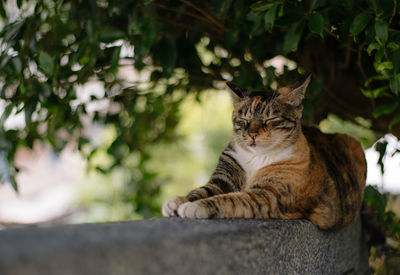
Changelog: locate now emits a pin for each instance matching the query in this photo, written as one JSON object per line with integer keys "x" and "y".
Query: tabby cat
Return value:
{"x": 276, "y": 168}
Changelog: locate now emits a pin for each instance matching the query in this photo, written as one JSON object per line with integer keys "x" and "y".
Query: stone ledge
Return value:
{"x": 181, "y": 246}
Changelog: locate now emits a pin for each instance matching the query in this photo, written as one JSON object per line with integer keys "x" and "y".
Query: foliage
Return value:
{"x": 173, "y": 48}
{"x": 384, "y": 259}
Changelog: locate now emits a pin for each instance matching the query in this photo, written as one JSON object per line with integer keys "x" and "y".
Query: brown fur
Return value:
{"x": 321, "y": 178}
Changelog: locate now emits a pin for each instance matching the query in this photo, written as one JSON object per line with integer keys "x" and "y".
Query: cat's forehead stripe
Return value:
{"x": 265, "y": 95}
{"x": 259, "y": 106}
{"x": 256, "y": 104}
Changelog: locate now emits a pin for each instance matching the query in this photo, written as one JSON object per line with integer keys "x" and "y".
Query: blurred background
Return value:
{"x": 109, "y": 108}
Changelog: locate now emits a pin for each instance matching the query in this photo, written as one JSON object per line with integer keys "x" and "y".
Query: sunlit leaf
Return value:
{"x": 375, "y": 93}
{"x": 372, "y": 47}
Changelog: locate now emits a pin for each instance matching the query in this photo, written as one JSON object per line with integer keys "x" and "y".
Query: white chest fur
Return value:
{"x": 253, "y": 160}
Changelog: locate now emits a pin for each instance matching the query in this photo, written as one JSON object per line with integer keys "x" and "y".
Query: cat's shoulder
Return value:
{"x": 314, "y": 136}
{"x": 333, "y": 144}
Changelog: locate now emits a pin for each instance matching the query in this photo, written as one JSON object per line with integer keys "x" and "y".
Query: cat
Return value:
{"x": 276, "y": 168}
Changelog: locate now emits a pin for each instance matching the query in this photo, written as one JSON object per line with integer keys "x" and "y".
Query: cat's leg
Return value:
{"x": 258, "y": 203}
{"x": 216, "y": 186}
{"x": 170, "y": 207}
{"x": 228, "y": 177}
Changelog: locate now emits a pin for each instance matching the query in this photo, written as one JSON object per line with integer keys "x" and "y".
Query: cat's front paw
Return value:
{"x": 193, "y": 210}
{"x": 170, "y": 207}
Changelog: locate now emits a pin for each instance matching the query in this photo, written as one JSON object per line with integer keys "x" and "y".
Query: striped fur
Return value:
{"x": 276, "y": 168}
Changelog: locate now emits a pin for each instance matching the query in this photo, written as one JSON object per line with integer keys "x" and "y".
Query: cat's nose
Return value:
{"x": 253, "y": 135}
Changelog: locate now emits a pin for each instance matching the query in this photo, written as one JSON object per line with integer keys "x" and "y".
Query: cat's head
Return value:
{"x": 269, "y": 119}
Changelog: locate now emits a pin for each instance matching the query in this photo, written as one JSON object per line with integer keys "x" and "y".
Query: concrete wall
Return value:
{"x": 181, "y": 246}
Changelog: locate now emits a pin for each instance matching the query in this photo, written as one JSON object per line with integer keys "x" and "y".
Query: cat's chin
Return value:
{"x": 256, "y": 147}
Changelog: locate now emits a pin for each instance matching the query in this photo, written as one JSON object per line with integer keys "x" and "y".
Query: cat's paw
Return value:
{"x": 170, "y": 207}
{"x": 192, "y": 210}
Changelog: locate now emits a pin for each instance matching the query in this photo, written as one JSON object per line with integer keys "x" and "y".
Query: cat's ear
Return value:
{"x": 294, "y": 94}
{"x": 239, "y": 92}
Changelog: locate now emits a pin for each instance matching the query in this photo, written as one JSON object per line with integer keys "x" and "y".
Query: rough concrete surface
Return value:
{"x": 182, "y": 246}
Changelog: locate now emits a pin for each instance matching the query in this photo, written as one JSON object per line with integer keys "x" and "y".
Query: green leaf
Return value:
{"x": 395, "y": 84}
{"x": 269, "y": 17}
{"x": 261, "y": 6}
{"x": 316, "y": 23}
{"x": 372, "y": 46}
{"x": 315, "y": 4}
{"x": 29, "y": 108}
{"x": 46, "y": 63}
{"x": 115, "y": 59}
{"x": 375, "y": 199}
{"x": 383, "y": 66}
{"x": 394, "y": 121}
{"x": 378, "y": 92}
{"x": 381, "y": 30}
{"x": 17, "y": 64}
{"x": 109, "y": 34}
{"x": 6, "y": 113}
{"x": 381, "y": 147}
{"x": 373, "y": 5}
{"x": 360, "y": 22}
{"x": 292, "y": 37}
{"x": 149, "y": 35}
{"x": 90, "y": 30}
{"x": 379, "y": 54}
{"x": 256, "y": 18}
{"x": 384, "y": 109}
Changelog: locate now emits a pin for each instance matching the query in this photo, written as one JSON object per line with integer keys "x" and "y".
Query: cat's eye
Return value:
{"x": 270, "y": 119}
{"x": 288, "y": 119}
{"x": 241, "y": 123}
